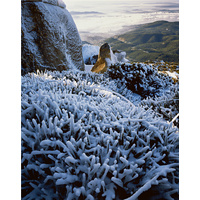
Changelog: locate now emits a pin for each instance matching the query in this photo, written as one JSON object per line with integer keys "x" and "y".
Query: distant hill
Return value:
{"x": 153, "y": 41}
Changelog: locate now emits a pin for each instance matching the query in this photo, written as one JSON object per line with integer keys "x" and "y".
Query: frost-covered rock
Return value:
{"x": 121, "y": 56}
{"x": 102, "y": 58}
{"x": 81, "y": 140}
{"x": 50, "y": 39}
{"x": 59, "y": 3}
{"x": 90, "y": 54}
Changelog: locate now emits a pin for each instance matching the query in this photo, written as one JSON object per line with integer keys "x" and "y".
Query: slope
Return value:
{"x": 154, "y": 41}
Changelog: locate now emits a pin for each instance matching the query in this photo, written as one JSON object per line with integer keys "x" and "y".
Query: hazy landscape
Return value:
{"x": 154, "y": 41}
{"x": 104, "y": 19}
{"x": 121, "y": 24}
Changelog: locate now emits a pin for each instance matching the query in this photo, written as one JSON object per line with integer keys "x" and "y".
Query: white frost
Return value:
{"x": 89, "y": 51}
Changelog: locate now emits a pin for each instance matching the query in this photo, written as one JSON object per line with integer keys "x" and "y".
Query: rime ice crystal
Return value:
{"x": 77, "y": 142}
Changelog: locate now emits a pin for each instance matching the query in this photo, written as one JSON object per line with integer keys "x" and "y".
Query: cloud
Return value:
{"x": 111, "y": 16}
{"x": 134, "y": 11}
{"x": 170, "y": 6}
{"x": 169, "y": 11}
{"x": 86, "y": 13}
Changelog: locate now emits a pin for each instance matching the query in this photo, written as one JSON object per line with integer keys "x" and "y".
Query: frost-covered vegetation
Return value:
{"x": 84, "y": 135}
{"x": 158, "y": 90}
{"x": 166, "y": 105}
{"x": 140, "y": 78}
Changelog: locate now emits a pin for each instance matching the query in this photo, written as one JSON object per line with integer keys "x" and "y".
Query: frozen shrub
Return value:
{"x": 166, "y": 105}
{"x": 81, "y": 141}
{"x": 160, "y": 91}
{"x": 140, "y": 78}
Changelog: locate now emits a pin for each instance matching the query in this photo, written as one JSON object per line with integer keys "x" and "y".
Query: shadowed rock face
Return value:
{"x": 49, "y": 38}
{"x": 105, "y": 51}
{"x": 101, "y": 65}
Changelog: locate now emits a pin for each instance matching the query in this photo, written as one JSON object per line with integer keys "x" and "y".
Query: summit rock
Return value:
{"x": 104, "y": 59}
{"x": 49, "y": 37}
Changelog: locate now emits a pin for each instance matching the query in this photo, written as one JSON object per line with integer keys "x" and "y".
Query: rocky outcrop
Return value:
{"x": 59, "y": 3}
{"x": 91, "y": 60}
{"x": 107, "y": 57}
{"x": 121, "y": 56}
{"x": 104, "y": 59}
{"x": 90, "y": 54}
{"x": 49, "y": 37}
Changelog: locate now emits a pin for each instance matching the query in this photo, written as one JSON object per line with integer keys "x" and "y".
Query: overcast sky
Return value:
{"x": 110, "y": 16}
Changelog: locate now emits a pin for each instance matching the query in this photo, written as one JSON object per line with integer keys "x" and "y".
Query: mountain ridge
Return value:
{"x": 153, "y": 41}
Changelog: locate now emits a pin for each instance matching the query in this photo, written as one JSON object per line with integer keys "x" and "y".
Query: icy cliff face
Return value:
{"x": 49, "y": 37}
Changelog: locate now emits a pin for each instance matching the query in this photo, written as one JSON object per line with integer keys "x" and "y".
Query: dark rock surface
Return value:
{"x": 49, "y": 37}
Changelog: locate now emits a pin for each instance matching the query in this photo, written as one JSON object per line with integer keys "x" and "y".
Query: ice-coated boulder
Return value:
{"x": 53, "y": 2}
{"x": 121, "y": 56}
{"x": 49, "y": 37}
{"x": 90, "y": 54}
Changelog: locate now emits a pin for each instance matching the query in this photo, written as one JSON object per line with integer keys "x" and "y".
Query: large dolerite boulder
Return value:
{"x": 49, "y": 37}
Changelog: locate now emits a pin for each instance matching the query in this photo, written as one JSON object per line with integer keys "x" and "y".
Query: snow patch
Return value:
{"x": 88, "y": 68}
{"x": 174, "y": 75}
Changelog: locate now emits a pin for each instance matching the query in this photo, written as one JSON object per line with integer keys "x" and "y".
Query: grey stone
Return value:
{"x": 49, "y": 38}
